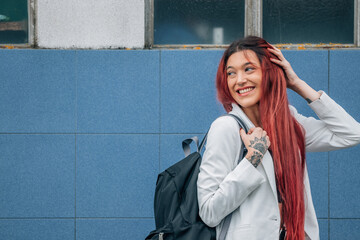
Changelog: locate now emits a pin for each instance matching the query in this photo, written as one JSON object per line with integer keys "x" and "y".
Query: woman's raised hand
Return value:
{"x": 291, "y": 77}
{"x": 257, "y": 143}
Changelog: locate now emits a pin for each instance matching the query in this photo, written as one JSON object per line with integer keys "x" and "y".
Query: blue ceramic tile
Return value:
{"x": 37, "y": 229}
{"x": 171, "y": 150}
{"x": 318, "y": 174}
{"x": 344, "y": 183}
{"x": 37, "y": 92}
{"x": 344, "y": 80}
{"x": 113, "y": 229}
{"x": 312, "y": 67}
{"x": 324, "y": 228}
{"x": 116, "y": 175}
{"x": 118, "y": 91}
{"x": 37, "y": 175}
{"x": 188, "y": 95}
{"x": 341, "y": 229}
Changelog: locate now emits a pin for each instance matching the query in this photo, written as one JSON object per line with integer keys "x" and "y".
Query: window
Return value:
{"x": 198, "y": 21}
{"x": 14, "y": 22}
{"x": 316, "y": 23}
{"x": 308, "y": 21}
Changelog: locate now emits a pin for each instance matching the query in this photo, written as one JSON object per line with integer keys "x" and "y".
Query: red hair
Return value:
{"x": 285, "y": 133}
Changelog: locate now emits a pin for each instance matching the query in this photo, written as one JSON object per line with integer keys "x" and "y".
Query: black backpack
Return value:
{"x": 176, "y": 206}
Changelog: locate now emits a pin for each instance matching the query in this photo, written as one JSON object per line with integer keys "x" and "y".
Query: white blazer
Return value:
{"x": 250, "y": 193}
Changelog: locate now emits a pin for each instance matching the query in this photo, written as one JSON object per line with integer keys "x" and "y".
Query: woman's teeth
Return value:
{"x": 245, "y": 90}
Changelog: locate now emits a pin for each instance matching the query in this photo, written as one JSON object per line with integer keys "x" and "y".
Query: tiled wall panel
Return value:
{"x": 317, "y": 164}
{"x": 188, "y": 95}
{"x": 37, "y": 229}
{"x": 118, "y": 92}
{"x": 344, "y": 80}
{"x": 312, "y": 67}
{"x": 344, "y": 229}
{"x": 113, "y": 229}
{"x": 37, "y": 93}
{"x": 345, "y": 183}
{"x": 37, "y": 175}
{"x": 114, "y": 177}
{"x": 324, "y": 228}
{"x": 344, "y": 164}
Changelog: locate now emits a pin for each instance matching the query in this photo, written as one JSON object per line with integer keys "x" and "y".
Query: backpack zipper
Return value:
{"x": 161, "y": 236}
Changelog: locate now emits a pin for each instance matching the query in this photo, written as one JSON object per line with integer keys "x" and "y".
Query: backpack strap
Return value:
{"x": 186, "y": 144}
{"x": 226, "y": 224}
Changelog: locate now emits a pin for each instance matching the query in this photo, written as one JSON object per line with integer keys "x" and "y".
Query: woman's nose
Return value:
{"x": 241, "y": 79}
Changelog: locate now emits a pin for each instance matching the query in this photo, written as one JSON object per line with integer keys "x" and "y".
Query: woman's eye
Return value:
{"x": 249, "y": 69}
{"x": 230, "y": 73}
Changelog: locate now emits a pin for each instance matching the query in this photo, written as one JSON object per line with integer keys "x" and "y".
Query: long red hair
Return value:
{"x": 285, "y": 133}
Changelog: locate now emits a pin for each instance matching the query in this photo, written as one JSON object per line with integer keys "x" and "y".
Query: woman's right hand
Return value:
{"x": 257, "y": 143}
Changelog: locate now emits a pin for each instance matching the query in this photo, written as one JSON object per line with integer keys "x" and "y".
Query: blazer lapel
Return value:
{"x": 267, "y": 161}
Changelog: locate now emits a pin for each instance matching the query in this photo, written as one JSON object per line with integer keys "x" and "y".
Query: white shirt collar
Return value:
{"x": 236, "y": 110}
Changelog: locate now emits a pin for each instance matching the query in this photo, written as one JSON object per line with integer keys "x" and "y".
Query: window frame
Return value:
{"x": 31, "y": 6}
{"x": 253, "y": 26}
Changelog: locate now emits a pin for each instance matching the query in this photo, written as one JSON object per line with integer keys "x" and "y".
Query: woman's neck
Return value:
{"x": 253, "y": 114}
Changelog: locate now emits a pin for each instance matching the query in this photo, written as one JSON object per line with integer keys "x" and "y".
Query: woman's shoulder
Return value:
{"x": 224, "y": 125}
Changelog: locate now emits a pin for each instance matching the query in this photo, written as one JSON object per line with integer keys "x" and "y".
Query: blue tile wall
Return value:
{"x": 39, "y": 229}
{"x": 317, "y": 164}
{"x": 344, "y": 164}
{"x": 37, "y": 175}
{"x": 344, "y": 80}
{"x": 188, "y": 95}
{"x": 37, "y": 93}
{"x": 344, "y": 183}
{"x": 324, "y": 228}
{"x": 344, "y": 229}
{"x": 114, "y": 178}
{"x": 113, "y": 229}
{"x": 83, "y": 135}
{"x": 312, "y": 67}
{"x": 118, "y": 92}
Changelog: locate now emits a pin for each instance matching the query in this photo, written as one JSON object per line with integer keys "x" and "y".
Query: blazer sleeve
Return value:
{"x": 223, "y": 185}
{"x": 336, "y": 128}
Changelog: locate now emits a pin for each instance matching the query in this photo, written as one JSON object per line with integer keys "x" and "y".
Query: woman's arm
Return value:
{"x": 293, "y": 81}
{"x": 335, "y": 129}
{"x": 222, "y": 187}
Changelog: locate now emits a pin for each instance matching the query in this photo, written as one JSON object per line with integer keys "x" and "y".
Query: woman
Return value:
{"x": 268, "y": 192}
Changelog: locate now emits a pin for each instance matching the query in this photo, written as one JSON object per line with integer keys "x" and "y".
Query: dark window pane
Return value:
{"x": 198, "y": 21}
{"x": 308, "y": 21}
{"x": 13, "y": 21}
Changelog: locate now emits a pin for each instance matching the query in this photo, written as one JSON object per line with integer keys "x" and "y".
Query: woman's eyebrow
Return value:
{"x": 244, "y": 65}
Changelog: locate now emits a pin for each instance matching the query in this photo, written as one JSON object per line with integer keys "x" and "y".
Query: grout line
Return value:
{"x": 329, "y": 72}
{"x": 72, "y": 133}
{"x": 329, "y": 153}
{"x": 71, "y": 218}
{"x": 328, "y": 195}
{"x": 159, "y": 167}
{"x": 76, "y": 130}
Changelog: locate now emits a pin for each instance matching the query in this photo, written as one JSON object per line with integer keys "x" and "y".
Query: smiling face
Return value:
{"x": 244, "y": 77}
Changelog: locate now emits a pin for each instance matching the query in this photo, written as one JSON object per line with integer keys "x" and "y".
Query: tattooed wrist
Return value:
{"x": 258, "y": 147}
{"x": 255, "y": 158}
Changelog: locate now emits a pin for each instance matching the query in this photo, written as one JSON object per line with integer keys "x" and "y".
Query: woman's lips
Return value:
{"x": 245, "y": 91}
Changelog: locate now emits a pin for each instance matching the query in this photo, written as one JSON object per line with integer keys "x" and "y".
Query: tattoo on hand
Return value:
{"x": 259, "y": 144}
{"x": 260, "y": 147}
{"x": 256, "y": 159}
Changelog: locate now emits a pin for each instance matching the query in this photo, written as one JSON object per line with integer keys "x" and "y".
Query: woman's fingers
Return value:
{"x": 268, "y": 141}
{"x": 251, "y": 130}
